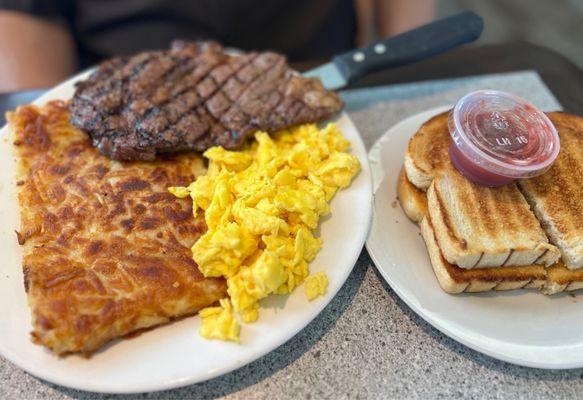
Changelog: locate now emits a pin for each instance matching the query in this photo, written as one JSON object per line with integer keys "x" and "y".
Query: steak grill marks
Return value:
{"x": 192, "y": 97}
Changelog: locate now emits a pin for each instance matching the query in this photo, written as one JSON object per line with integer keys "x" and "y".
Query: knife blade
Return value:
{"x": 418, "y": 44}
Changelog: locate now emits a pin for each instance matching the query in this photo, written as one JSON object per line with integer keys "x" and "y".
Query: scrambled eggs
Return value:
{"x": 261, "y": 206}
{"x": 220, "y": 322}
{"x": 316, "y": 285}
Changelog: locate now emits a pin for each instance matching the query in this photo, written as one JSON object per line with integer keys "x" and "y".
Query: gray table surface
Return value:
{"x": 367, "y": 343}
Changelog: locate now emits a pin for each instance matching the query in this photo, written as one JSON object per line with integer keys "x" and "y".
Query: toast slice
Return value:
{"x": 475, "y": 226}
{"x": 557, "y": 196}
{"x": 478, "y": 227}
{"x": 560, "y": 278}
{"x": 413, "y": 200}
{"x": 452, "y": 279}
{"x": 427, "y": 154}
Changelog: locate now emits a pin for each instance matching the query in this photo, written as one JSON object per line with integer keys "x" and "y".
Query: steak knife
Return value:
{"x": 418, "y": 44}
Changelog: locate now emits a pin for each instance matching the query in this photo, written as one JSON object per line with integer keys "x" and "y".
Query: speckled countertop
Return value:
{"x": 367, "y": 343}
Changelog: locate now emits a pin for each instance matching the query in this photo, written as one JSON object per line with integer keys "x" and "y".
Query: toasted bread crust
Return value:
{"x": 413, "y": 200}
{"x": 433, "y": 145}
{"x": 476, "y": 226}
{"x": 556, "y": 196}
{"x": 453, "y": 279}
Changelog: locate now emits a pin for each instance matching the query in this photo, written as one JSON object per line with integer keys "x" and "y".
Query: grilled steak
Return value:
{"x": 192, "y": 97}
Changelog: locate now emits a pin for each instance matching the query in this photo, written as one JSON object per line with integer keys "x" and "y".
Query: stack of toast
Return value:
{"x": 528, "y": 234}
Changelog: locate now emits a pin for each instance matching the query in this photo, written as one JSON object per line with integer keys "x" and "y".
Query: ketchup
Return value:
{"x": 475, "y": 172}
{"x": 499, "y": 137}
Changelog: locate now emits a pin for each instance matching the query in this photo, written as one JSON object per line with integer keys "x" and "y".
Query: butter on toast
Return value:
{"x": 557, "y": 196}
{"x": 453, "y": 279}
{"x": 475, "y": 226}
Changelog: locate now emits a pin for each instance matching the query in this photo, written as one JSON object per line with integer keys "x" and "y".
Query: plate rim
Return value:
{"x": 408, "y": 298}
{"x": 172, "y": 383}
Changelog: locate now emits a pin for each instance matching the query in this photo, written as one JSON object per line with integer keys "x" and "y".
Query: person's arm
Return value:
{"x": 33, "y": 53}
{"x": 397, "y": 16}
{"x": 366, "y": 30}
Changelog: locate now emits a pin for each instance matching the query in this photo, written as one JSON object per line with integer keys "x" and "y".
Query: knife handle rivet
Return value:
{"x": 358, "y": 56}
{"x": 380, "y": 48}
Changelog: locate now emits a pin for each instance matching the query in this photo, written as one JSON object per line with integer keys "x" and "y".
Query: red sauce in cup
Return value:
{"x": 499, "y": 137}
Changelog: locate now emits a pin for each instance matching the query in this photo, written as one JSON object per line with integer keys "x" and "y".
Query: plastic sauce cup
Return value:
{"x": 499, "y": 137}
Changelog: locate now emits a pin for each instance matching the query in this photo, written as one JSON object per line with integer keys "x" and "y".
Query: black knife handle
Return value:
{"x": 417, "y": 44}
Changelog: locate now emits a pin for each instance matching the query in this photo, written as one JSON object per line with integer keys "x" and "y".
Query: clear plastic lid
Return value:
{"x": 503, "y": 134}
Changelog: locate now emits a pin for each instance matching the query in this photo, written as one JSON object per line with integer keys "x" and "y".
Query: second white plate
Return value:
{"x": 522, "y": 327}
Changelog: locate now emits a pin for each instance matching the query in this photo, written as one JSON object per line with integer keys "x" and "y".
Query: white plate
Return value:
{"x": 175, "y": 355}
{"x": 522, "y": 327}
